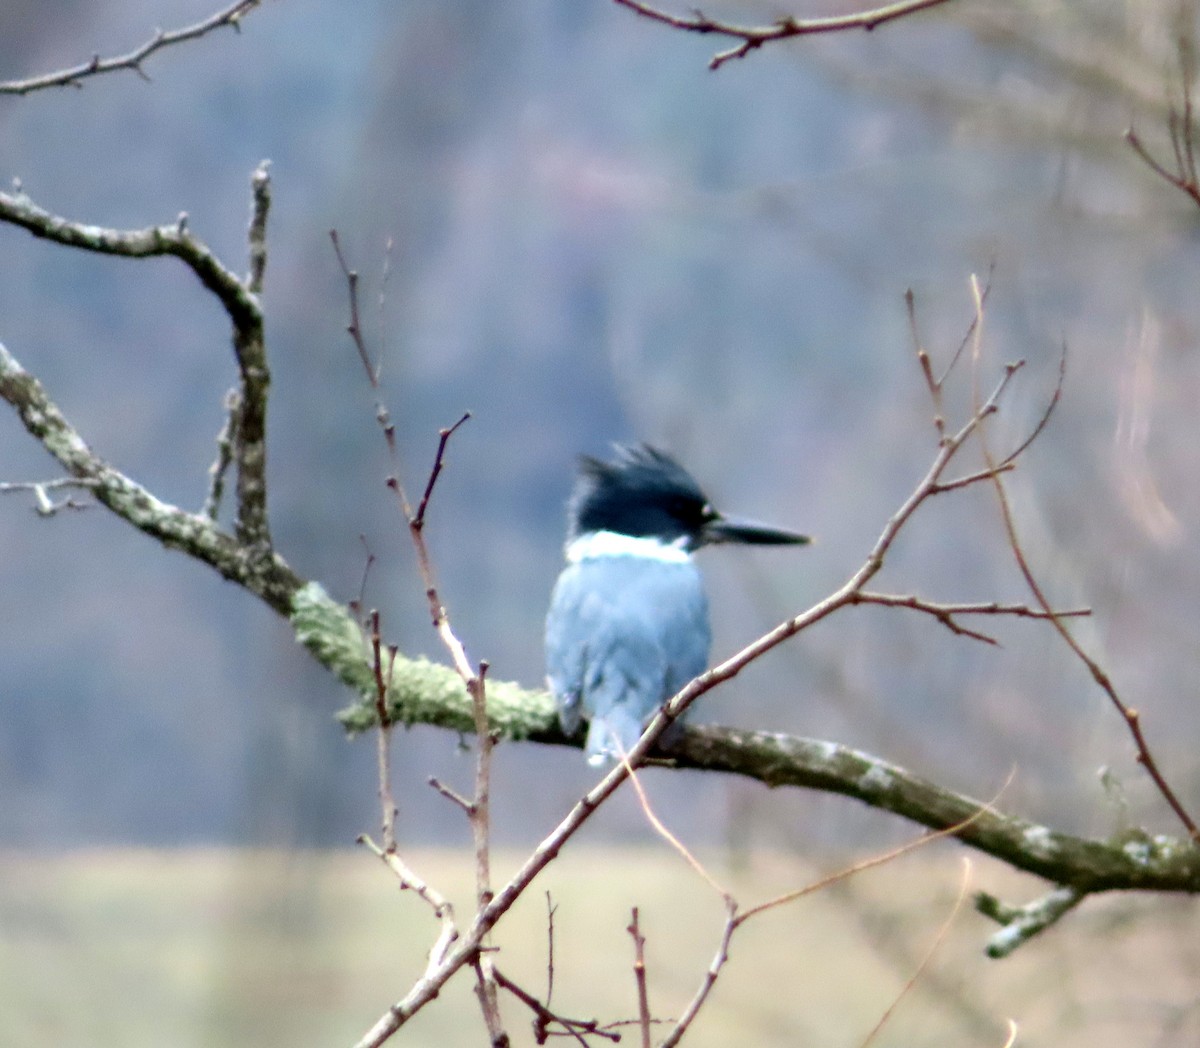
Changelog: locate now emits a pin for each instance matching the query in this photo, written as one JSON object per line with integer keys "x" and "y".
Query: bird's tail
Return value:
{"x": 611, "y": 736}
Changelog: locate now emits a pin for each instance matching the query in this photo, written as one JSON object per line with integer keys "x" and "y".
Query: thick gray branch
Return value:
{"x": 430, "y": 694}
{"x": 426, "y": 693}
{"x": 264, "y": 574}
{"x": 238, "y": 297}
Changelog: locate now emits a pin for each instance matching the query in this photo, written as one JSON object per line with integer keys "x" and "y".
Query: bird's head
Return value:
{"x": 644, "y": 493}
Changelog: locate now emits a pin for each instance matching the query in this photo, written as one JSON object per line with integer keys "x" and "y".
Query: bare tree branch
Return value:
{"x": 735, "y": 917}
{"x": 226, "y": 440}
{"x": 238, "y": 298}
{"x": 544, "y": 1018}
{"x": 74, "y": 76}
{"x": 639, "y": 977}
{"x": 753, "y": 37}
{"x": 270, "y": 577}
{"x": 1181, "y": 128}
{"x": 413, "y": 690}
{"x": 409, "y": 880}
{"x": 1130, "y": 715}
{"x": 1022, "y": 923}
{"x": 43, "y": 504}
{"x": 947, "y": 614}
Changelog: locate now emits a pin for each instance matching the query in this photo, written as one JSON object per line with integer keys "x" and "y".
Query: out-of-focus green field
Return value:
{"x": 220, "y": 948}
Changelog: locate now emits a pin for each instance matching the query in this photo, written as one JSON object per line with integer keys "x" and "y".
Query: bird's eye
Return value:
{"x": 707, "y": 513}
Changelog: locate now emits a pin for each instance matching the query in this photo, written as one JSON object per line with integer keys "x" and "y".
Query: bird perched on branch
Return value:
{"x": 628, "y": 620}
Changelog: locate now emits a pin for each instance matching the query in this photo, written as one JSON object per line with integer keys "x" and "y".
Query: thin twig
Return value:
{"x": 1051, "y": 404}
{"x": 354, "y": 327}
{"x": 478, "y": 808}
{"x": 1181, "y": 129}
{"x": 922, "y": 355}
{"x": 43, "y": 504}
{"x": 968, "y": 335}
{"x": 444, "y": 436}
{"x": 409, "y": 880}
{"x": 1128, "y": 714}
{"x": 753, "y": 37}
{"x": 942, "y": 487}
{"x": 639, "y": 977}
{"x": 984, "y": 809}
{"x": 711, "y": 974}
{"x": 734, "y": 918}
{"x": 933, "y": 948}
{"x": 383, "y": 682}
{"x": 544, "y": 1017}
{"x": 661, "y": 829}
{"x": 550, "y": 909}
{"x": 226, "y": 441}
{"x": 96, "y": 66}
{"x": 945, "y": 613}
{"x": 359, "y": 602}
{"x": 451, "y": 795}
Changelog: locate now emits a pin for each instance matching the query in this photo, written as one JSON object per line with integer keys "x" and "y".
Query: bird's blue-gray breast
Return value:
{"x": 627, "y": 628}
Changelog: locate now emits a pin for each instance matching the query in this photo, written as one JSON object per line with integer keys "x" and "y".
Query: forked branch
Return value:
{"x": 1181, "y": 128}
{"x": 240, "y": 299}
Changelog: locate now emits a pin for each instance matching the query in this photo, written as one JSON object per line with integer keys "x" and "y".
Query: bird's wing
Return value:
{"x": 621, "y": 637}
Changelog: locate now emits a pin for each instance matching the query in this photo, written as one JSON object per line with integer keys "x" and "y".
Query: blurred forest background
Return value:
{"x": 595, "y": 238}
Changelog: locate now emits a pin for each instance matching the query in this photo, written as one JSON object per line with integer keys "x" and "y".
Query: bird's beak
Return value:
{"x": 748, "y": 533}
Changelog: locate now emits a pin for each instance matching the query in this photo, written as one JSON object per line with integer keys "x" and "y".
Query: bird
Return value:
{"x": 628, "y": 622}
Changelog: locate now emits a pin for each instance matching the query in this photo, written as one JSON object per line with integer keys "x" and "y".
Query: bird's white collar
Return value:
{"x": 611, "y": 544}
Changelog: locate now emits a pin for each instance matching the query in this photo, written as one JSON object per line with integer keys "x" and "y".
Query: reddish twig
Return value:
{"x": 478, "y": 808}
{"x": 945, "y": 613}
{"x": 735, "y": 917}
{"x": 661, "y": 829}
{"x": 753, "y": 37}
{"x": 933, "y": 948}
{"x": 1181, "y": 130}
{"x": 639, "y": 977}
{"x": 544, "y": 1018}
{"x": 444, "y": 435}
{"x": 1129, "y": 714}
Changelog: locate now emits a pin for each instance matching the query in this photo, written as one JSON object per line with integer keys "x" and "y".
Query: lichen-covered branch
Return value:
{"x": 267, "y": 576}
{"x": 1022, "y": 923}
{"x": 238, "y": 297}
{"x": 174, "y": 239}
{"x": 431, "y": 694}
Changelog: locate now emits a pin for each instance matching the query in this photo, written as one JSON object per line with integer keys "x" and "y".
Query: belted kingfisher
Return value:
{"x": 628, "y": 620}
